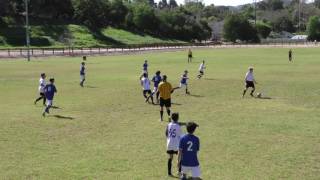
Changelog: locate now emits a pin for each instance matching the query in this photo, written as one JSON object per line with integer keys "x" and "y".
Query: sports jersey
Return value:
{"x": 184, "y": 79}
{"x": 82, "y": 70}
{"x": 189, "y": 145}
{"x": 42, "y": 84}
{"x": 156, "y": 79}
{"x": 173, "y": 133}
{"x": 201, "y": 68}
{"x": 145, "y": 66}
{"x": 165, "y": 89}
{"x": 49, "y": 90}
{"x": 145, "y": 83}
{"x": 249, "y": 76}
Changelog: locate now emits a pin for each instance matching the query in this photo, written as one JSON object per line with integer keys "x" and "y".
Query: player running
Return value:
{"x": 201, "y": 70}
{"x": 250, "y": 81}
{"x": 145, "y": 83}
{"x": 189, "y": 56}
{"x": 173, "y": 134}
{"x": 82, "y": 74}
{"x": 165, "y": 90}
{"x": 188, "y": 149}
{"x": 42, "y": 84}
{"x": 50, "y": 90}
{"x": 183, "y": 81}
{"x": 156, "y": 81}
{"x": 290, "y": 55}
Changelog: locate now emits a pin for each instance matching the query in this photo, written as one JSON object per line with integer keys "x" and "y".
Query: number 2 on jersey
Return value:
{"x": 190, "y": 144}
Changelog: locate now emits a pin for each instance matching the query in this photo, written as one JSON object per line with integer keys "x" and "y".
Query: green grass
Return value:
{"x": 74, "y": 35}
{"x": 115, "y": 135}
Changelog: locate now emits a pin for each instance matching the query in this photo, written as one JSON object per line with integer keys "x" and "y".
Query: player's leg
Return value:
{"x": 168, "y": 106}
{"x": 187, "y": 92}
{"x": 46, "y": 110}
{"x": 252, "y": 91}
{"x": 244, "y": 91}
{"x": 170, "y": 154}
{"x": 161, "y": 109}
{"x": 144, "y": 93}
{"x": 150, "y": 96}
{"x": 196, "y": 173}
{"x": 184, "y": 171}
{"x": 39, "y": 98}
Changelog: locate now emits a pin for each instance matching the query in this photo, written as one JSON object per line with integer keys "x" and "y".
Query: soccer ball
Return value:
{"x": 259, "y": 95}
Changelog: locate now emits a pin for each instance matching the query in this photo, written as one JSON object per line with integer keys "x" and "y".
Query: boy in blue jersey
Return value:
{"x": 145, "y": 67}
{"x": 188, "y": 149}
{"x": 156, "y": 81}
{"x": 82, "y": 74}
{"x": 49, "y": 90}
{"x": 183, "y": 81}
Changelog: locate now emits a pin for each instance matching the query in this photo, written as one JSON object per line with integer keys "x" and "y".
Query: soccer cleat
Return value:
{"x": 44, "y": 114}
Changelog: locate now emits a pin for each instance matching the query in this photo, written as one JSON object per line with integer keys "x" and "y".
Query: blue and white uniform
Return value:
{"x": 156, "y": 80}
{"x": 42, "y": 84}
{"x": 190, "y": 145}
{"x": 183, "y": 81}
{"x": 50, "y": 90}
{"x": 174, "y": 134}
{"x": 145, "y": 68}
{"x": 82, "y": 72}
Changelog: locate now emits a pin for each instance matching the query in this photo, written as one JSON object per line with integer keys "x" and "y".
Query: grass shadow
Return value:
{"x": 209, "y": 79}
{"x": 63, "y": 117}
{"x": 263, "y": 97}
{"x": 195, "y": 95}
{"x": 91, "y": 87}
{"x": 98, "y": 35}
{"x": 177, "y": 104}
{"x": 55, "y": 107}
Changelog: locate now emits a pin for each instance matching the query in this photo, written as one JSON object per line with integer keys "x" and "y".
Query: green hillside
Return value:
{"x": 74, "y": 35}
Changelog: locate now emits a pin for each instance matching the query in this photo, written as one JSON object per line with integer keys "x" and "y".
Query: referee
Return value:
{"x": 165, "y": 90}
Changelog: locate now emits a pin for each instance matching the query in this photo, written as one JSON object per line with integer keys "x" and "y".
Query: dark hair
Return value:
{"x": 84, "y": 57}
{"x": 158, "y": 72}
{"x": 51, "y": 79}
{"x": 175, "y": 117}
{"x": 164, "y": 77}
{"x": 145, "y": 74}
{"x": 191, "y": 127}
{"x": 42, "y": 74}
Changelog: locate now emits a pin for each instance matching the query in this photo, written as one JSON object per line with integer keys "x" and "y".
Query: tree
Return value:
{"x": 263, "y": 29}
{"x": 276, "y": 4}
{"x": 144, "y": 17}
{"x": 93, "y": 13}
{"x": 317, "y": 3}
{"x": 163, "y": 4}
{"x": 173, "y": 4}
{"x": 283, "y": 24}
{"x": 118, "y": 12}
{"x": 49, "y": 9}
{"x": 314, "y": 28}
{"x": 237, "y": 27}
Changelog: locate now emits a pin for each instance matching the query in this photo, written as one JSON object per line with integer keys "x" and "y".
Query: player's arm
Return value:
{"x": 166, "y": 132}
{"x": 55, "y": 89}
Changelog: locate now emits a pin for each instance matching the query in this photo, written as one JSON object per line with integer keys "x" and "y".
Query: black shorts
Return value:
{"x": 249, "y": 84}
{"x": 201, "y": 72}
{"x": 172, "y": 152}
{"x": 189, "y": 56}
{"x": 42, "y": 94}
{"x": 146, "y": 92}
{"x": 165, "y": 102}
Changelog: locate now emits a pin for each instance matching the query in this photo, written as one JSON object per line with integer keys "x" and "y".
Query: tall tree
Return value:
{"x": 314, "y": 28}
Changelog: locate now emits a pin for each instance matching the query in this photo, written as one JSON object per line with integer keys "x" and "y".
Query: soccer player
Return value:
{"x": 42, "y": 84}
{"x": 173, "y": 134}
{"x": 82, "y": 74}
{"x": 165, "y": 90}
{"x": 145, "y": 83}
{"x": 201, "y": 70}
{"x": 183, "y": 81}
{"x": 156, "y": 81}
{"x": 50, "y": 90}
{"x": 188, "y": 150}
{"x": 145, "y": 67}
{"x": 250, "y": 81}
{"x": 290, "y": 55}
{"x": 189, "y": 56}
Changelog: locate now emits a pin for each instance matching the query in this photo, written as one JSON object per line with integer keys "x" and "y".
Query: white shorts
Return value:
{"x": 195, "y": 171}
{"x": 82, "y": 77}
{"x": 183, "y": 85}
{"x": 49, "y": 102}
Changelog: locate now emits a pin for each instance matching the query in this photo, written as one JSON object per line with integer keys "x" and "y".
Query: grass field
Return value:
{"x": 107, "y": 131}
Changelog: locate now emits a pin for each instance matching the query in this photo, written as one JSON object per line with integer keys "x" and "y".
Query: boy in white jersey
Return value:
{"x": 42, "y": 84}
{"x": 173, "y": 134}
{"x": 146, "y": 87}
{"x": 250, "y": 81}
{"x": 201, "y": 70}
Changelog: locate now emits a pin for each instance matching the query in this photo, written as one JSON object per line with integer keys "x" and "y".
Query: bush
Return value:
{"x": 314, "y": 28}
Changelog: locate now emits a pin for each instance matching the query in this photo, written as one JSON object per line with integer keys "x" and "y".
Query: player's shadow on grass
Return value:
{"x": 56, "y": 107}
{"x": 263, "y": 98}
{"x": 91, "y": 87}
{"x": 195, "y": 95}
{"x": 209, "y": 79}
{"x": 176, "y": 104}
{"x": 63, "y": 117}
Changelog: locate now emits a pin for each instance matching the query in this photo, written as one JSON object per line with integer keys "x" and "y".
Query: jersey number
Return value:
{"x": 190, "y": 144}
{"x": 172, "y": 133}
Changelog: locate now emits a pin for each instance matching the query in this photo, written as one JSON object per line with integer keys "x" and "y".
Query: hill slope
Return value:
{"x": 74, "y": 35}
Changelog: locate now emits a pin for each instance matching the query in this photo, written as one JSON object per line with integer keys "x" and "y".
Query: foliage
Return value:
{"x": 237, "y": 27}
{"x": 314, "y": 28}
{"x": 263, "y": 29}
